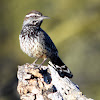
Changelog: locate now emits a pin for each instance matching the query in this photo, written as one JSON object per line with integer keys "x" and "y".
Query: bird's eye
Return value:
{"x": 35, "y": 16}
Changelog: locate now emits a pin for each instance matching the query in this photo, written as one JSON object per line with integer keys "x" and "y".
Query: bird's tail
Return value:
{"x": 60, "y": 67}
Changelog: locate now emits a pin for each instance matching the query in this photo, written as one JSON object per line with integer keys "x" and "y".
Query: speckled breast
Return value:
{"x": 32, "y": 46}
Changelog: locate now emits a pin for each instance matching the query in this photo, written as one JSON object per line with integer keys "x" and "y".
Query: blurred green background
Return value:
{"x": 74, "y": 27}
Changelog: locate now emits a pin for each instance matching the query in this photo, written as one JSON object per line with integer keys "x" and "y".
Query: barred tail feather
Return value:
{"x": 61, "y": 68}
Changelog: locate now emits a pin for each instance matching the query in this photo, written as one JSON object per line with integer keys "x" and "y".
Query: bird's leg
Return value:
{"x": 42, "y": 62}
{"x": 35, "y": 61}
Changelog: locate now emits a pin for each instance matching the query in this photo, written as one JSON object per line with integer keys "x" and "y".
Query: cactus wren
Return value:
{"x": 35, "y": 42}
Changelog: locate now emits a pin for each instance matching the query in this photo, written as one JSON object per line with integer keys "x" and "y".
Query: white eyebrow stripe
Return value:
{"x": 32, "y": 14}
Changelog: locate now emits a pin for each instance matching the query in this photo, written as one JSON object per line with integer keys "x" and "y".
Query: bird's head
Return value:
{"x": 34, "y": 18}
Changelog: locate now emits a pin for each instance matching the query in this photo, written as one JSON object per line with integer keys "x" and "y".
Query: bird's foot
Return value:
{"x": 36, "y": 66}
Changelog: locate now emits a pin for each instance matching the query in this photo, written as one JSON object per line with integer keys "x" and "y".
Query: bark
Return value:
{"x": 45, "y": 84}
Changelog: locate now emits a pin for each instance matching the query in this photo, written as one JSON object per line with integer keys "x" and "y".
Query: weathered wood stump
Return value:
{"x": 45, "y": 84}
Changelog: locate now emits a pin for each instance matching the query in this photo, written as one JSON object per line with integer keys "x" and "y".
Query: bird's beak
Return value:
{"x": 44, "y": 17}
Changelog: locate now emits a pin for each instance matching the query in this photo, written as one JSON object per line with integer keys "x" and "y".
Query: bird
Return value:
{"x": 36, "y": 43}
